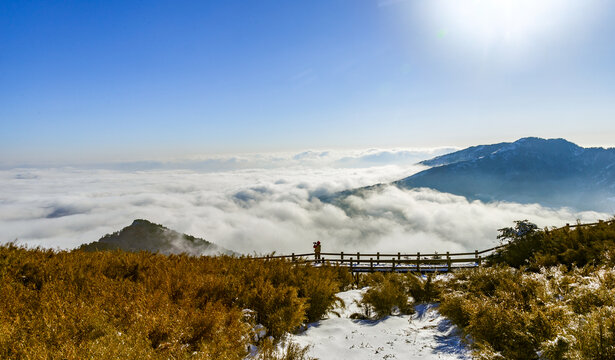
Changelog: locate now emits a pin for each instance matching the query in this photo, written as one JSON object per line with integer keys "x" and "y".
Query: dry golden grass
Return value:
{"x": 552, "y": 314}
{"x": 392, "y": 292}
{"x": 550, "y": 294}
{"x": 121, "y": 305}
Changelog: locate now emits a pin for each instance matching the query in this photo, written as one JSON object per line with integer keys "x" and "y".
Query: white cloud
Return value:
{"x": 217, "y": 163}
{"x": 271, "y": 208}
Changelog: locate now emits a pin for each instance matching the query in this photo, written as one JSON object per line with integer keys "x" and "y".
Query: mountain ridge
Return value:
{"x": 551, "y": 172}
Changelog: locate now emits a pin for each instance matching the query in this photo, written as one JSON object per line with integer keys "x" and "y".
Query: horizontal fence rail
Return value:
{"x": 372, "y": 262}
{"x": 600, "y": 222}
{"x": 415, "y": 262}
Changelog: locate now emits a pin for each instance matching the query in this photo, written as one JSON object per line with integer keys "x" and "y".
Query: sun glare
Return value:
{"x": 502, "y": 20}
{"x": 510, "y": 26}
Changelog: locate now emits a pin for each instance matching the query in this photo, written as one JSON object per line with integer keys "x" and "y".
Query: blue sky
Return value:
{"x": 125, "y": 80}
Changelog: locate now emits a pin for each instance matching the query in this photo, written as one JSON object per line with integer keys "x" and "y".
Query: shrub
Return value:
{"x": 279, "y": 309}
{"x": 292, "y": 351}
{"x": 596, "y": 335}
{"x": 501, "y": 309}
{"x": 60, "y": 304}
{"x": 516, "y": 314}
{"x": 422, "y": 290}
{"x": 321, "y": 294}
{"x": 386, "y": 294}
{"x": 583, "y": 245}
{"x": 453, "y": 307}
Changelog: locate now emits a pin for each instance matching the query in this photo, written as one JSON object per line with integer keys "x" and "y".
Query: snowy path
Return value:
{"x": 424, "y": 335}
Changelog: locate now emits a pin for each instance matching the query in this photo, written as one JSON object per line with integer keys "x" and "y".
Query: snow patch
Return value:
{"x": 423, "y": 335}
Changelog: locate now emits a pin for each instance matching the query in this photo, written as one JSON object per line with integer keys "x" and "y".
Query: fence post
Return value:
{"x": 448, "y": 261}
{"x": 378, "y": 257}
{"x": 393, "y": 265}
{"x": 293, "y": 256}
{"x": 358, "y": 256}
{"x": 371, "y": 264}
{"x": 342, "y": 255}
{"x": 476, "y": 254}
{"x": 418, "y": 261}
{"x": 399, "y": 257}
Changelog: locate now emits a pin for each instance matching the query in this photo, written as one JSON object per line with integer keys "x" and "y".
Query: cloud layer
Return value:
{"x": 216, "y": 163}
{"x": 260, "y": 209}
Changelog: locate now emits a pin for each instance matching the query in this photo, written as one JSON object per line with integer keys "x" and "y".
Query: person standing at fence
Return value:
{"x": 317, "y": 251}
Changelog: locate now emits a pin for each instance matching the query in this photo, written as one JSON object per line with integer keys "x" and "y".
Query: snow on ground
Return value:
{"x": 423, "y": 335}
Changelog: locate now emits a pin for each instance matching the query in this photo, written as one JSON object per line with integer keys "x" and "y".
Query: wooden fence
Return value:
{"x": 600, "y": 222}
{"x": 371, "y": 262}
{"x": 416, "y": 262}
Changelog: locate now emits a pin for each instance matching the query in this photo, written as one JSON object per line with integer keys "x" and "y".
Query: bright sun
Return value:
{"x": 504, "y": 20}
{"x": 509, "y": 25}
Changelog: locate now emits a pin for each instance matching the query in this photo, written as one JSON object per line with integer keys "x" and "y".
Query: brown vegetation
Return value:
{"x": 394, "y": 292}
{"x": 549, "y": 294}
{"x": 116, "y": 305}
{"x": 553, "y": 314}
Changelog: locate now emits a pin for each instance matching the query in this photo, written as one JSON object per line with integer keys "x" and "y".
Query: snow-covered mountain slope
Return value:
{"x": 552, "y": 172}
{"x": 473, "y": 152}
{"x": 424, "y": 335}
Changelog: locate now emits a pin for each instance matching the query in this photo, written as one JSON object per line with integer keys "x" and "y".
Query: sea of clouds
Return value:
{"x": 259, "y": 203}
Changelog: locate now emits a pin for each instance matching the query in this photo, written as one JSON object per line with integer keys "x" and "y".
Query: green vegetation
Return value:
{"x": 579, "y": 246}
{"x": 143, "y": 235}
{"x": 117, "y": 305}
{"x": 550, "y": 294}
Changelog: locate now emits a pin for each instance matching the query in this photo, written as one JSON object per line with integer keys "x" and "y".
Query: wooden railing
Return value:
{"x": 371, "y": 262}
{"x": 600, "y": 222}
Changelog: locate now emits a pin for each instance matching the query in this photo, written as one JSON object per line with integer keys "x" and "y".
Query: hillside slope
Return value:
{"x": 552, "y": 172}
{"x": 147, "y": 236}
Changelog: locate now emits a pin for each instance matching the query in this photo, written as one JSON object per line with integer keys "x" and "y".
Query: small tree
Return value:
{"x": 522, "y": 229}
{"x": 522, "y": 241}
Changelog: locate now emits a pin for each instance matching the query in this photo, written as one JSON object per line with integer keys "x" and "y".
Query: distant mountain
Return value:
{"x": 552, "y": 172}
{"x": 471, "y": 153}
{"x": 147, "y": 236}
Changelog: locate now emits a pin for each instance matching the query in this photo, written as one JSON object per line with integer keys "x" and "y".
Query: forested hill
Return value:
{"x": 147, "y": 236}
